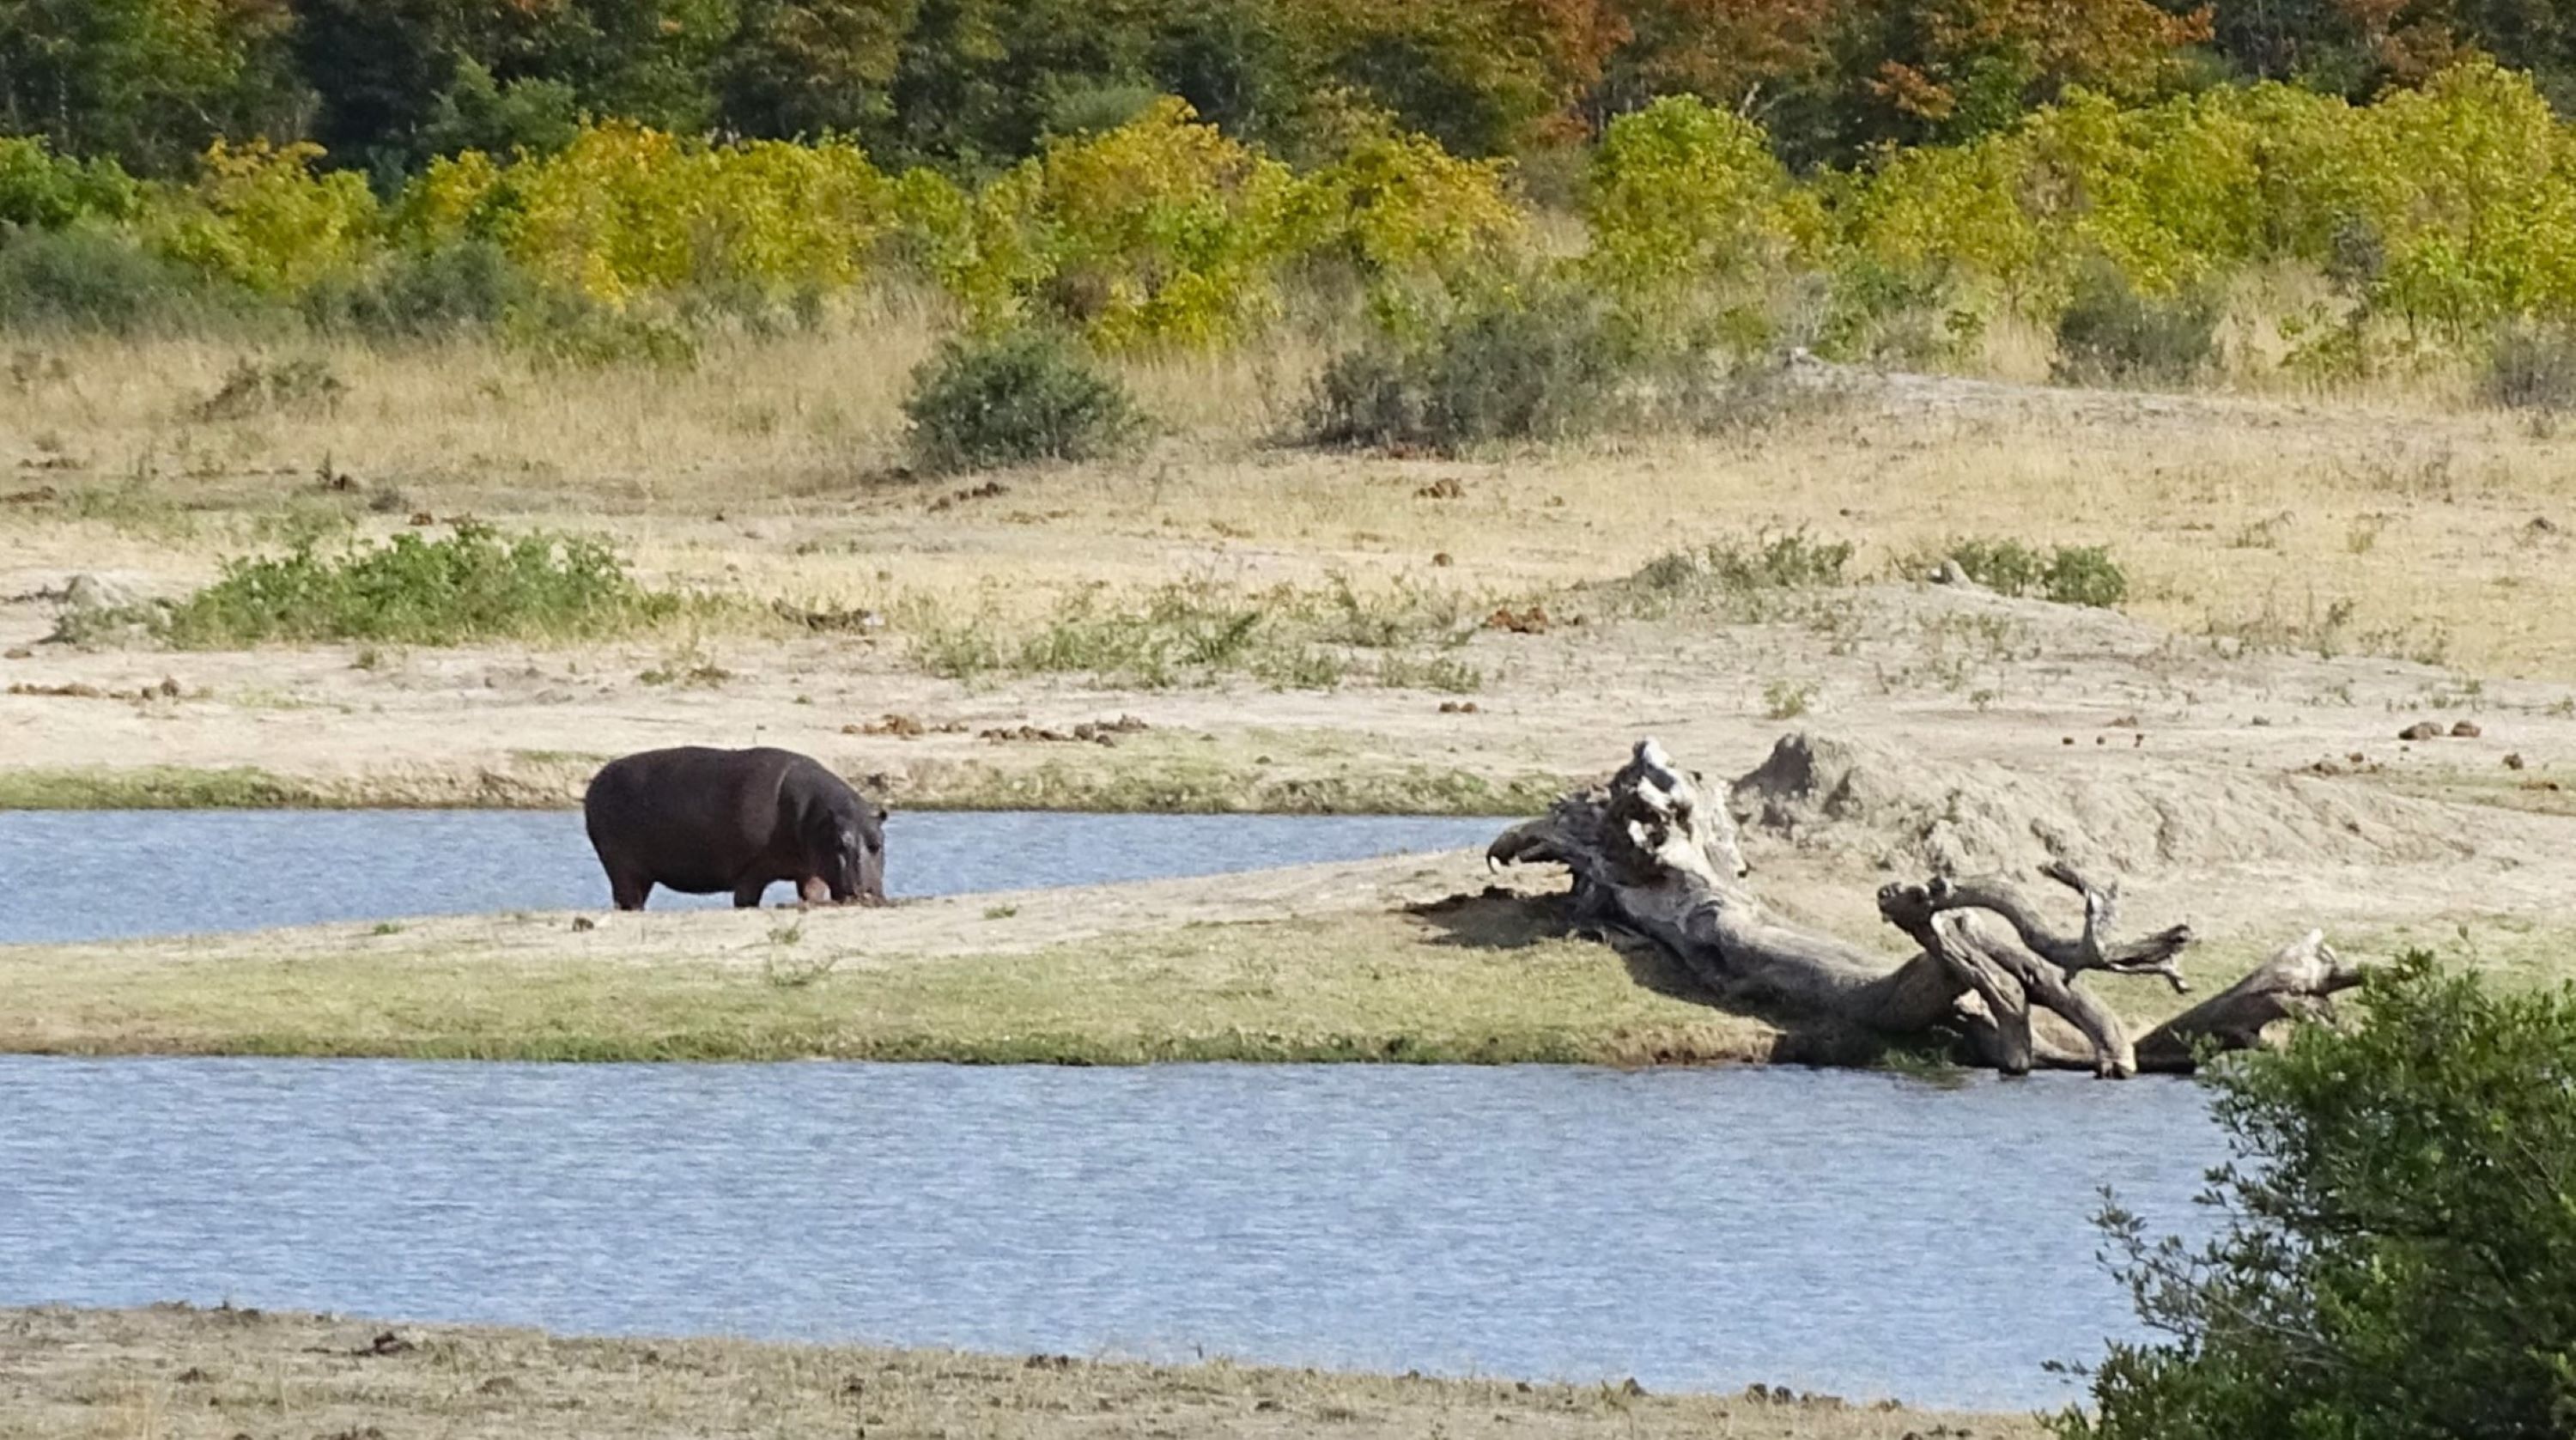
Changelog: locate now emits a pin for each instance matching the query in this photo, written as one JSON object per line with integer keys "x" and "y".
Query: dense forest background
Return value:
{"x": 969, "y": 86}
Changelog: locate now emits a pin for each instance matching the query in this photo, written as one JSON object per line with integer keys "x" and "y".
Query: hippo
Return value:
{"x": 704, "y": 821}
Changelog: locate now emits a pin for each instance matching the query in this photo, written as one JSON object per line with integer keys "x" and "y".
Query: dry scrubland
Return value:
{"x": 2305, "y": 578}
{"x": 173, "y": 1373}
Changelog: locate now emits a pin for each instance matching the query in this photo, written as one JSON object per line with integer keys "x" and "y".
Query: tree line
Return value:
{"x": 970, "y": 87}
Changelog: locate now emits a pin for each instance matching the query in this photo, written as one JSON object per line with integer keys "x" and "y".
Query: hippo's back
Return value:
{"x": 691, "y": 814}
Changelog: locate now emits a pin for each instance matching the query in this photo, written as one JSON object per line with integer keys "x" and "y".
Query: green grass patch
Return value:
{"x": 471, "y": 585}
{"x": 2065, "y": 574}
{"x": 1370, "y": 987}
{"x": 159, "y": 787}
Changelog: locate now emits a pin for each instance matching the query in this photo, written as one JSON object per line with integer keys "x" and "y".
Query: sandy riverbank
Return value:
{"x": 176, "y": 1373}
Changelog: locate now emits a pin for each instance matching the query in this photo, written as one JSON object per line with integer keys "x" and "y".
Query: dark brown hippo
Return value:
{"x": 704, "y": 822}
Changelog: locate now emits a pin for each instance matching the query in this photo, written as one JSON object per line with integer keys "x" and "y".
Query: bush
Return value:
{"x": 2067, "y": 575}
{"x": 2532, "y": 368}
{"x": 84, "y": 278}
{"x": 2399, "y": 1235}
{"x": 426, "y": 294}
{"x": 1681, "y": 194}
{"x": 2111, "y": 334}
{"x": 1015, "y": 399}
{"x": 473, "y": 585}
{"x": 42, "y": 190}
{"x": 1543, "y": 367}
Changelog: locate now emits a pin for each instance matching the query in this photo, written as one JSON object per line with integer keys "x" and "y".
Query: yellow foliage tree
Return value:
{"x": 262, "y": 217}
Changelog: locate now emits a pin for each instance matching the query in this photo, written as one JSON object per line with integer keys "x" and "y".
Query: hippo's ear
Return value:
{"x": 882, "y": 813}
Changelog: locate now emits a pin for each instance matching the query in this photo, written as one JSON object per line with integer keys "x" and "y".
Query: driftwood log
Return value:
{"x": 1649, "y": 854}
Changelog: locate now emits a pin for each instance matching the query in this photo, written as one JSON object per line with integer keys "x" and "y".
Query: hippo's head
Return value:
{"x": 854, "y": 851}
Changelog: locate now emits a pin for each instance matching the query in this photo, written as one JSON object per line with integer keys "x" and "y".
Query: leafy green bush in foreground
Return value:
{"x": 2401, "y": 1238}
{"x": 473, "y": 585}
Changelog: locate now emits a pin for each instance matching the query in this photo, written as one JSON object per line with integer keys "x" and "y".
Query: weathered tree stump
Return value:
{"x": 1649, "y": 854}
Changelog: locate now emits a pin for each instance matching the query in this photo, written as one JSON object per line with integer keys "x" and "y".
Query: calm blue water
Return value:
{"x": 94, "y": 875}
{"x": 1695, "y": 1229}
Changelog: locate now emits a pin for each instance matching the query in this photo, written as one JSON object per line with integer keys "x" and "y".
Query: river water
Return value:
{"x": 1855, "y": 1233}
{"x": 95, "y": 875}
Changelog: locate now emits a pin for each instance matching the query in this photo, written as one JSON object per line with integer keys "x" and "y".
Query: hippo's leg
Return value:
{"x": 746, "y": 896}
{"x": 814, "y": 890}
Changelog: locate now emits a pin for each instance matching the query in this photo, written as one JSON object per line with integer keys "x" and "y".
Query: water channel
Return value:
{"x": 95, "y": 875}
{"x": 1862, "y": 1234}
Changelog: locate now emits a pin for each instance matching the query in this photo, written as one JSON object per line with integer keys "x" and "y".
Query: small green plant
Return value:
{"x": 386, "y": 927}
{"x": 1018, "y": 398}
{"x": 2067, "y": 574}
{"x": 1787, "y": 699}
{"x": 1750, "y": 581}
{"x": 2084, "y": 575}
{"x": 471, "y": 585}
{"x": 2110, "y": 334}
{"x": 2532, "y": 367}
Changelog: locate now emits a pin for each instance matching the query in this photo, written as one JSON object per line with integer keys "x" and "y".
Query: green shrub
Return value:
{"x": 1015, "y": 399}
{"x": 2532, "y": 367}
{"x": 2400, "y": 1233}
{"x": 2084, "y": 575}
{"x": 90, "y": 279}
{"x": 426, "y": 294}
{"x": 1880, "y": 314}
{"x": 2068, "y": 574}
{"x": 45, "y": 191}
{"x": 1545, "y": 366}
{"x": 2109, "y": 334}
{"x": 472, "y": 585}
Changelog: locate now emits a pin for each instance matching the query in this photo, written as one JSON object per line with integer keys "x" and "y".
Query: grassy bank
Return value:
{"x": 1373, "y": 961}
{"x": 176, "y": 1373}
{"x": 1484, "y": 983}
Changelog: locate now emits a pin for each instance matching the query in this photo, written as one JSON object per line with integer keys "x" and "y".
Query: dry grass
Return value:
{"x": 2406, "y": 529}
{"x": 175, "y": 1373}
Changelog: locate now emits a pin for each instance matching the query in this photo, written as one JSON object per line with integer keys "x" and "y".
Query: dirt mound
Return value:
{"x": 1913, "y": 814}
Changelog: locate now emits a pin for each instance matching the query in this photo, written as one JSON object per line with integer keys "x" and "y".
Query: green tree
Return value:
{"x": 401, "y": 81}
{"x": 812, "y": 67}
{"x": 148, "y": 82}
{"x": 2402, "y": 1229}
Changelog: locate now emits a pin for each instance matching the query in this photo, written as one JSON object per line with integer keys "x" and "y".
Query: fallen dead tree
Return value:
{"x": 1650, "y": 855}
